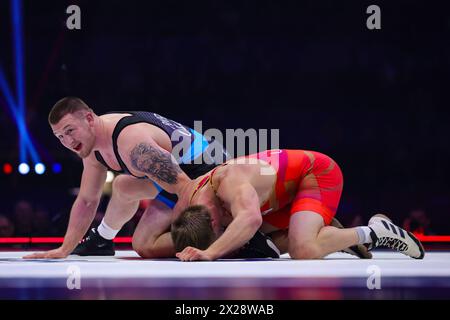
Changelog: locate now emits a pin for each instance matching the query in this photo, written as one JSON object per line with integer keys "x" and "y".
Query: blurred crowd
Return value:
{"x": 28, "y": 220}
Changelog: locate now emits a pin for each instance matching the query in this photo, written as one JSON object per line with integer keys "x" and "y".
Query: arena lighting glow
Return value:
{"x": 24, "y": 168}
{"x": 25, "y": 142}
{"x": 33, "y": 240}
{"x": 18, "y": 53}
{"x": 18, "y": 63}
{"x": 57, "y": 168}
{"x": 39, "y": 168}
{"x": 7, "y": 168}
{"x": 7, "y": 93}
{"x": 17, "y": 240}
{"x": 17, "y": 106}
{"x": 109, "y": 177}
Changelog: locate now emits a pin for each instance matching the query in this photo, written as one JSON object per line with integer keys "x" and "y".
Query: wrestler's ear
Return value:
{"x": 213, "y": 222}
{"x": 89, "y": 118}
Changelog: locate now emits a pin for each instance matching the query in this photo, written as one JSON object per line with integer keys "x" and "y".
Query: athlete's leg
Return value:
{"x": 127, "y": 191}
{"x": 281, "y": 239}
{"x": 310, "y": 239}
{"x": 314, "y": 207}
{"x": 126, "y": 194}
{"x": 152, "y": 238}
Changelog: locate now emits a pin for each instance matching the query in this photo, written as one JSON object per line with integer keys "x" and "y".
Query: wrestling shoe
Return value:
{"x": 358, "y": 250}
{"x": 385, "y": 234}
{"x": 260, "y": 246}
{"x": 94, "y": 245}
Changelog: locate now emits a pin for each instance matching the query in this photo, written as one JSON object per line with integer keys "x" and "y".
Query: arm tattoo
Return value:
{"x": 156, "y": 163}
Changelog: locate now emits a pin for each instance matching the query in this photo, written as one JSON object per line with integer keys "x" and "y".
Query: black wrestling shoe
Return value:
{"x": 95, "y": 245}
{"x": 358, "y": 250}
{"x": 260, "y": 246}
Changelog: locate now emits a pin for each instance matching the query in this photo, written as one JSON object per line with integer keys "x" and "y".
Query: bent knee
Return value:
{"x": 305, "y": 251}
{"x": 121, "y": 188}
{"x": 120, "y": 183}
{"x": 142, "y": 250}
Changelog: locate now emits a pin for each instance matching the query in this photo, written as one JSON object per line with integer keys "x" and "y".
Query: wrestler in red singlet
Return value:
{"x": 306, "y": 181}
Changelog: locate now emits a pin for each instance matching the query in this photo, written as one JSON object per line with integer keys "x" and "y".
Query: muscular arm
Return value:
{"x": 244, "y": 204}
{"x": 146, "y": 155}
{"x": 82, "y": 213}
{"x": 154, "y": 161}
{"x": 85, "y": 206}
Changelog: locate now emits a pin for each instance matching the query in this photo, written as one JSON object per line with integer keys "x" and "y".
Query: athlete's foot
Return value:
{"x": 94, "y": 245}
{"x": 358, "y": 250}
{"x": 385, "y": 234}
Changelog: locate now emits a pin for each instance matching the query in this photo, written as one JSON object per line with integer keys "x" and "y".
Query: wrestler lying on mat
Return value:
{"x": 291, "y": 195}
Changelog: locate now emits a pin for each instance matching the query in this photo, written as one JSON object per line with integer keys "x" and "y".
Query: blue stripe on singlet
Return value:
{"x": 197, "y": 147}
{"x": 161, "y": 198}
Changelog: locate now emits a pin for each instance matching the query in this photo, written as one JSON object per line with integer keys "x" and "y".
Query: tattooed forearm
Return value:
{"x": 155, "y": 162}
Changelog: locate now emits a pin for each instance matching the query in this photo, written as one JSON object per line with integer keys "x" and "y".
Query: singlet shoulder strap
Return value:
{"x": 121, "y": 124}
{"x": 204, "y": 181}
{"x": 211, "y": 182}
{"x": 100, "y": 159}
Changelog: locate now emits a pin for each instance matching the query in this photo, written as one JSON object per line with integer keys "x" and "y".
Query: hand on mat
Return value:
{"x": 52, "y": 254}
{"x": 193, "y": 254}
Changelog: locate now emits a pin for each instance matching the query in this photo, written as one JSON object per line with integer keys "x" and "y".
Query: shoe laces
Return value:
{"x": 85, "y": 239}
{"x": 392, "y": 243}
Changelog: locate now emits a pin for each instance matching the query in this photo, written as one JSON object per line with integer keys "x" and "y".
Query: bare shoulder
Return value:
{"x": 234, "y": 182}
{"x": 111, "y": 119}
{"x": 239, "y": 175}
{"x": 244, "y": 168}
{"x": 137, "y": 132}
{"x": 135, "y": 137}
{"x": 234, "y": 173}
{"x": 114, "y": 115}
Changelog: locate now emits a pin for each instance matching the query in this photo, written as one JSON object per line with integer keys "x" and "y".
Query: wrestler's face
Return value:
{"x": 207, "y": 197}
{"x": 216, "y": 213}
{"x": 76, "y": 132}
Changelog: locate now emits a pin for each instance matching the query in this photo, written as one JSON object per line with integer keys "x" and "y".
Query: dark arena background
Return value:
{"x": 375, "y": 100}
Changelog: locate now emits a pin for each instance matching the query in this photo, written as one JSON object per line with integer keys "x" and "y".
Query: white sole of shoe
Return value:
{"x": 380, "y": 216}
